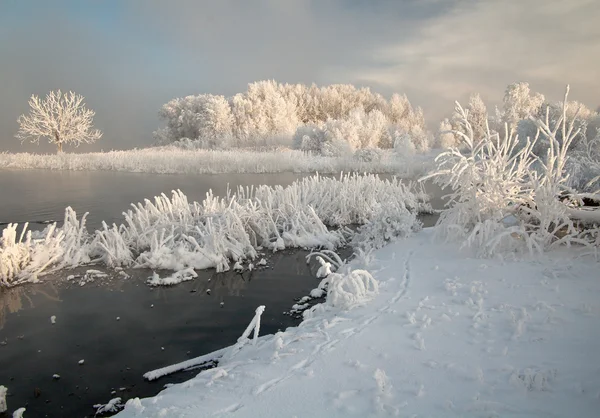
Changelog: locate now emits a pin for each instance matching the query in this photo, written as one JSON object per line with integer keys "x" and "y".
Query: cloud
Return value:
{"x": 483, "y": 46}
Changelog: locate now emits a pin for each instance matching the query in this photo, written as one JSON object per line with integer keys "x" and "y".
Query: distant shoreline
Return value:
{"x": 171, "y": 160}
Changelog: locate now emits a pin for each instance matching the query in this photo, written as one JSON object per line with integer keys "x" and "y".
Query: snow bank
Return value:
{"x": 446, "y": 336}
{"x": 171, "y": 160}
{"x": 174, "y": 234}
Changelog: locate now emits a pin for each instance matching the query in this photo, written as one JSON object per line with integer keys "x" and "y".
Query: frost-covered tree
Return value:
{"x": 270, "y": 111}
{"x": 61, "y": 118}
{"x": 216, "y": 120}
{"x": 205, "y": 118}
{"x": 445, "y": 135}
{"x": 263, "y": 112}
{"x": 477, "y": 116}
{"x": 359, "y": 130}
{"x": 399, "y": 108}
{"x": 519, "y": 103}
{"x": 182, "y": 116}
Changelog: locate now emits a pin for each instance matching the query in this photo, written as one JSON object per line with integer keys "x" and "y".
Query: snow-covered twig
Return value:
{"x": 184, "y": 365}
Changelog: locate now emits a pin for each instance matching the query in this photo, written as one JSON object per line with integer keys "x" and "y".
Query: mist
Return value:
{"x": 128, "y": 58}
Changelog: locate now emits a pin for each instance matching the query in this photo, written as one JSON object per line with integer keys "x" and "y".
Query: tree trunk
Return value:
{"x": 58, "y": 142}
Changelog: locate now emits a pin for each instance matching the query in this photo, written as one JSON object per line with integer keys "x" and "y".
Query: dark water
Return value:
{"x": 41, "y": 195}
{"x": 156, "y": 327}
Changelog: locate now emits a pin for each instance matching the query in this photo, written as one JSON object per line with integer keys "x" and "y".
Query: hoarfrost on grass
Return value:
{"x": 172, "y": 160}
{"x": 174, "y": 234}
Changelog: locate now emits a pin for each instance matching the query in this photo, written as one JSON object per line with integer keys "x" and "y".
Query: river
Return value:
{"x": 123, "y": 328}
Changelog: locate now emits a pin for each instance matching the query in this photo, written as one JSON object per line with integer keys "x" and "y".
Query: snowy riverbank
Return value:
{"x": 172, "y": 160}
{"x": 446, "y": 336}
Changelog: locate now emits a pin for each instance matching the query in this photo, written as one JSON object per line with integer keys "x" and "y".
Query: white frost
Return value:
{"x": 3, "y": 406}
{"x": 417, "y": 341}
{"x": 114, "y": 405}
{"x": 177, "y": 277}
{"x": 174, "y": 234}
{"x": 19, "y": 413}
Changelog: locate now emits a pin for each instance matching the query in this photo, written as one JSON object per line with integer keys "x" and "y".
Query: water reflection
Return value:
{"x": 14, "y": 299}
{"x": 156, "y": 327}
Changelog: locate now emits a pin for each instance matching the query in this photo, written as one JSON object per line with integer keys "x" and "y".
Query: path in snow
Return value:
{"x": 447, "y": 336}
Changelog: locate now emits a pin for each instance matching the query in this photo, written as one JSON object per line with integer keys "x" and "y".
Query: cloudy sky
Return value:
{"x": 129, "y": 57}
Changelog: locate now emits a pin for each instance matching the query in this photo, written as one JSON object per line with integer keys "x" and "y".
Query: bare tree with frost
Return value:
{"x": 61, "y": 118}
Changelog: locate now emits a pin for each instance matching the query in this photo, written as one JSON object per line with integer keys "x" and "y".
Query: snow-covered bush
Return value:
{"x": 368, "y": 155}
{"x": 494, "y": 178}
{"x": 172, "y": 233}
{"x": 584, "y": 165}
{"x": 520, "y": 109}
{"x": 309, "y": 138}
{"x": 36, "y": 253}
{"x": 205, "y": 118}
{"x": 350, "y": 289}
{"x": 390, "y": 222}
{"x": 358, "y": 131}
{"x": 403, "y": 145}
{"x": 485, "y": 178}
{"x": 477, "y": 116}
{"x": 445, "y": 137}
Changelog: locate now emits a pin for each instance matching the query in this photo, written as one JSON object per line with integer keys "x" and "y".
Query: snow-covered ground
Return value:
{"x": 170, "y": 160}
{"x": 447, "y": 335}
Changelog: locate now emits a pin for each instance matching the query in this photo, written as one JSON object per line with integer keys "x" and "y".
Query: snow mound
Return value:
{"x": 355, "y": 288}
{"x": 176, "y": 278}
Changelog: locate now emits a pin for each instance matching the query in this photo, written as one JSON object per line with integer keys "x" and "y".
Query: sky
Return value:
{"x": 129, "y": 57}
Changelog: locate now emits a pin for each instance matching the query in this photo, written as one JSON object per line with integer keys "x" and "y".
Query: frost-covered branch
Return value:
{"x": 493, "y": 178}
